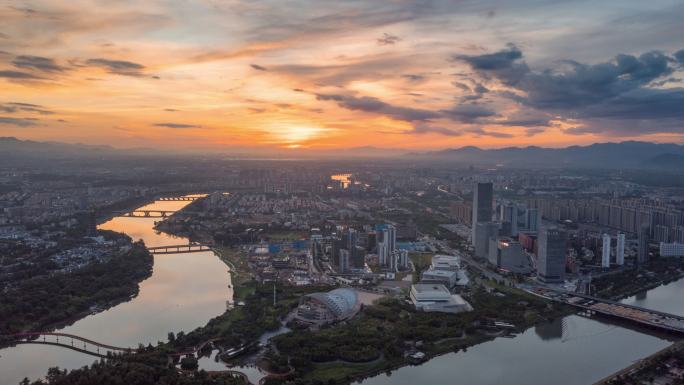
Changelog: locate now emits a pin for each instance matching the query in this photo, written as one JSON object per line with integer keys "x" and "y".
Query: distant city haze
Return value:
{"x": 319, "y": 76}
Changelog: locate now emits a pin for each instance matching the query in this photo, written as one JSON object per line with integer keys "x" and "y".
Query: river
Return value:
{"x": 183, "y": 293}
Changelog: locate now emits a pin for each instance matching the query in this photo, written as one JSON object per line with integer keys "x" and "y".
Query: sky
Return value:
{"x": 315, "y": 74}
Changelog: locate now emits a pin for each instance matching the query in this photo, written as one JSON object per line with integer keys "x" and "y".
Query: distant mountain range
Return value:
{"x": 629, "y": 154}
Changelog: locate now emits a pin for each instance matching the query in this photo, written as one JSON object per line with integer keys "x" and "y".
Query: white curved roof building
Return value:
{"x": 333, "y": 306}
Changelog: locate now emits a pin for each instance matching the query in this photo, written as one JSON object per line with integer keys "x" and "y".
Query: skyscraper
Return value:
{"x": 484, "y": 231}
{"x": 644, "y": 234}
{"x": 386, "y": 241}
{"x": 509, "y": 217}
{"x": 482, "y": 206}
{"x": 344, "y": 261}
{"x": 551, "y": 255}
{"x": 620, "y": 251}
{"x": 605, "y": 251}
{"x": 532, "y": 219}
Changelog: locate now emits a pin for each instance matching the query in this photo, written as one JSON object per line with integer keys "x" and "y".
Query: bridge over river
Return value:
{"x": 70, "y": 341}
{"x": 180, "y": 249}
{"x": 645, "y": 317}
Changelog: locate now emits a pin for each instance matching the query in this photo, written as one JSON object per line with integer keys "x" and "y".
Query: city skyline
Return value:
{"x": 404, "y": 75}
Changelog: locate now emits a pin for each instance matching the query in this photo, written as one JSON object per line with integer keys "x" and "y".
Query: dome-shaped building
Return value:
{"x": 333, "y": 306}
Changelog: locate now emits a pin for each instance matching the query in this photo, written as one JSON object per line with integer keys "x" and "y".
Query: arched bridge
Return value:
{"x": 70, "y": 341}
{"x": 144, "y": 213}
{"x": 178, "y": 249}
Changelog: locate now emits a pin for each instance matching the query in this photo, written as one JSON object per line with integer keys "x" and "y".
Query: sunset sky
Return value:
{"x": 322, "y": 74}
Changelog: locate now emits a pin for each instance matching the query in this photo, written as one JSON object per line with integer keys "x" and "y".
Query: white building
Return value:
{"x": 383, "y": 253}
{"x": 671, "y": 249}
{"x": 605, "y": 251}
{"x": 447, "y": 278}
{"x": 620, "y": 251}
{"x": 437, "y": 298}
{"x": 445, "y": 262}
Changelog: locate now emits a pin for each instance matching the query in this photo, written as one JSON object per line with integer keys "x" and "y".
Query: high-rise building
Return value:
{"x": 644, "y": 234}
{"x": 357, "y": 257}
{"x": 551, "y": 258}
{"x": 483, "y": 232}
{"x": 403, "y": 259}
{"x": 532, "y": 218}
{"x": 507, "y": 254}
{"x": 482, "y": 206}
{"x": 620, "y": 250}
{"x": 386, "y": 241}
{"x": 605, "y": 251}
{"x": 383, "y": 254}
{"x": 344, "y": 261}
{"x": 398, "y": 260}
{"x": 509, "y": 218}
{"x": 352, "y": 238}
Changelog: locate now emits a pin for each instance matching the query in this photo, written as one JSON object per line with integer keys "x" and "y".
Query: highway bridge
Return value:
{"x": 645, "y": 317}
{"x": 177, "y": 199}
{"x": 180, "y": 249}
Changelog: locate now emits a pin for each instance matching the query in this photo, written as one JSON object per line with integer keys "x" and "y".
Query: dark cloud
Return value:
{"x": 679, "y": 55}
{"x": 176, "y": 125}
{"x": 388, "y": 39}
{"x": 19, "y": 122}
{"x": 9, "y": 74}
{"x": 494, "y": 134}
{"x": 119, "y": 67}
{"x": 24, "y": 107}
{"x": 622, "y": 89}
{"x": 468, "y": 113}
{"x": 413, "y": 77}
{"x": 258, "y": 67}
{"x": 170, "y": 110}
{"x": 421, "y": 128}
{"x": 532, "y": 122}
{"x": 534, "y": 131}
{"x": 461, "y": 86}
{"x": 375, "y": 105}
{"x": 504, "y": 64}
{"x": 38, "y": 63}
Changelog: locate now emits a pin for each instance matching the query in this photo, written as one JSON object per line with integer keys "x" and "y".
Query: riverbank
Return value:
{"x": 658, "y": 272}
{"x": 58, "y": 300}
{"x": 647, "y": 368}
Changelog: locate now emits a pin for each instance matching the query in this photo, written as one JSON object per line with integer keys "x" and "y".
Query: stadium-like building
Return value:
{"x": 334, "y": 306}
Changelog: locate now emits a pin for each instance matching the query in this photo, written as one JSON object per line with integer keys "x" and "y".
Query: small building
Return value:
{"x": 437, "y": 298}
{"x": 671, "y": 249}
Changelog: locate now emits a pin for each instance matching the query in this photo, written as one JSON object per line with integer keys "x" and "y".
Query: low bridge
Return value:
{"x": 646, "y": 317}
{"x": 180, "y": 249}
{"x": 182, "y": 199}
{"x": 144, "y": 213}
{"x": 69, "y": 341}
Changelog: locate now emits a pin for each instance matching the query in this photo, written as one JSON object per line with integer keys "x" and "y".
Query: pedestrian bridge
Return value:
{"x": 69, "y": 341}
